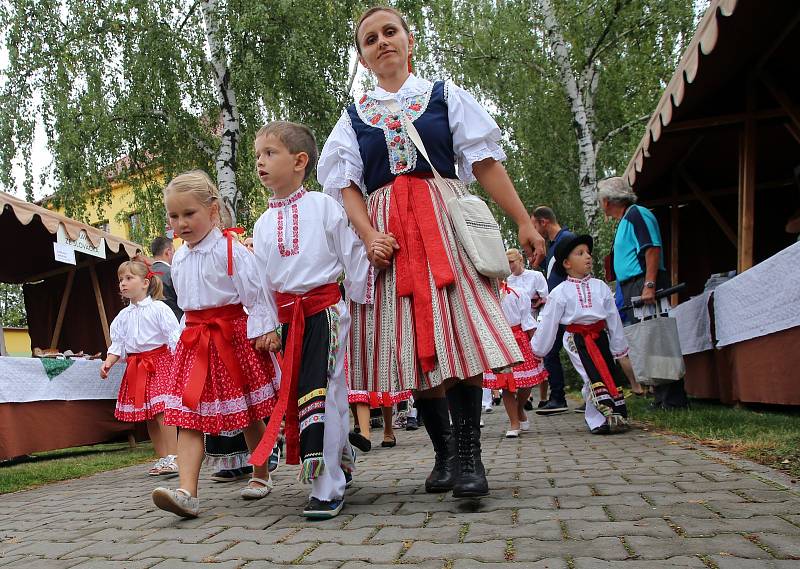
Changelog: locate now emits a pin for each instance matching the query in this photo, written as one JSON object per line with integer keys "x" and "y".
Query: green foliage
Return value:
{"x": 12, "y": 306}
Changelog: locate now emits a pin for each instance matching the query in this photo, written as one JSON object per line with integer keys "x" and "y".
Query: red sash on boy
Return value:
{"x": 590, "y": 333}
{"x": 412, "y": 220}
{"x": 202, "y": 328}
{"x": 293, "y": 309}
{"x": 139, "y": 366}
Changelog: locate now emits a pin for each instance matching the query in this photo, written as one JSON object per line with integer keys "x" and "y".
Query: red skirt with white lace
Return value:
{"x": 375, "y": 399}
{"x": 225, "y": 404}
{"x": 157, "y": 386}
{"x": 529, "y": 373}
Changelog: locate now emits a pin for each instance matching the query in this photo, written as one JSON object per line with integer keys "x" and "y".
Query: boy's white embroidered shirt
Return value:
{"x": 144, "y": 326}
{"x": 516, "y": 307}
{"x": 531, "y": 282}
{"x": 476, "y": 137}
{"x": 580, "y": 301}
{"x": 201, "y": 280}
{"x": 303, "y": 242}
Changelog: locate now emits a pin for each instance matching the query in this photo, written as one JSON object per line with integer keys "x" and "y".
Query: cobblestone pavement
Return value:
{"x": 561, "y": 498}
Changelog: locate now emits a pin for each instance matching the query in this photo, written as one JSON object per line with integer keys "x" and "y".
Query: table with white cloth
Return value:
{"x": 48, "y": 404}
{"x": 753, "y": 323}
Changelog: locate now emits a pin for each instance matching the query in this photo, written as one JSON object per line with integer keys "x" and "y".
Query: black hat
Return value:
{"x": 566, "y": 246}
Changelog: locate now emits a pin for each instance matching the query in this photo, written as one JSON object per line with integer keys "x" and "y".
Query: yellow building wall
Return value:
{"x": 18, "y": 342}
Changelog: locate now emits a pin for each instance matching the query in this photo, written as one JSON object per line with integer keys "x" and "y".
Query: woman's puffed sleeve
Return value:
{"x": 170, "y": 326}
{"x": 527, "y": 321}
{"x": 340, "y": 162}
{"x": 260, "y": 318}
{"x": 117, "y": 334}
{"x": 476, "y": 135}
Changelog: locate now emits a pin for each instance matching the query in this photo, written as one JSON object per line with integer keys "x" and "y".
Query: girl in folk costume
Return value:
{"x": 517, "y": 384}
{"x": 534, "y": 285}
{"x": 146, "y": 333}
{"x": 594, "y": 338}
{"x": 434, "y": 321}
{"x": 302, "y": 244}
{"x": 221, "y": 383}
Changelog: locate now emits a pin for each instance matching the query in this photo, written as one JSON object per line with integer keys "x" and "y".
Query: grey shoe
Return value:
{"x": 179, "y": 502}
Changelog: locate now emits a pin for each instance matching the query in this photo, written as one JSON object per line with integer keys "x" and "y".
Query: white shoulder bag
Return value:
{"x": 475, "y": 226}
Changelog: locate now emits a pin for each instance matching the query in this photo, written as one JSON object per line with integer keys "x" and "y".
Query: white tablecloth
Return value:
{"x": 762, "y": 300}
{"x": 694, "y": 324}
{"x": 23, "y": 380}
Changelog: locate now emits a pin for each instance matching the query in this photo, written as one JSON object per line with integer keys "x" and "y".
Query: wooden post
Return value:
{"x": 131, "y": 440}
{"x": 747, "y": 184}
{"x": 100, "y": 306}
{"x": 674, "y": 231}
{"x": 62, "y": 309}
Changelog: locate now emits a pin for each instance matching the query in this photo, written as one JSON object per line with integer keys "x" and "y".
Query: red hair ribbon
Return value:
{"x": 151, "y": 274}
{"x": 507, "y": 289}
{"x": 230, "y": 234}
{"x": 410, "y": 67}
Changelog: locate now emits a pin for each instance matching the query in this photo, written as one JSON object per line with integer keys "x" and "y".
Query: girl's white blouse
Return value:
{"x": 143, "y": 327}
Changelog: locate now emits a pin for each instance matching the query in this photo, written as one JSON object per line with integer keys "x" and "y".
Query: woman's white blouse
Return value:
{"x": 531, "y": 282}
{"x": 200, "y": 277}
{"x": 476, "y": 137}
{"x": 303, "y": 241}
{"x": 583, "y": 301}
{"x": 143, "y": 327}
{"x": 517, "y": 309}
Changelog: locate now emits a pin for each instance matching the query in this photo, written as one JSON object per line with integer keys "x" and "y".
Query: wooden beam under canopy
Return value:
{"x": 747, "y": 186}
{"x": 706, "y": 201}
{"x": 62, "y": 309}
{"x": 100, "y": 306}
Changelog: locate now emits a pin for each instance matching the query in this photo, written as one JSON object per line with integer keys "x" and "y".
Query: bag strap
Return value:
{"x": 392, "y": 105}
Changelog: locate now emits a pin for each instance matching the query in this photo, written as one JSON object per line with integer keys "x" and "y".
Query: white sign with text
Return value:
{"x": 82, "y": 243}
{"x": 64, "y": 253}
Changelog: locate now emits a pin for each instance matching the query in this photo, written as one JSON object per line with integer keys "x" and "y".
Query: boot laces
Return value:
{"x": 466, "y": 456}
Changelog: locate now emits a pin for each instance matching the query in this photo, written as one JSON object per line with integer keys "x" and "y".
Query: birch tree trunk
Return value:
{"x": 580, "y": 95}
{"x": 229, "y": 113}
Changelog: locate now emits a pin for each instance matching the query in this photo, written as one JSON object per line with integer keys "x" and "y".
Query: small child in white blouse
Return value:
{"x": 303, "y": 244}
{"x": 146, "y": 333}
{"x": 220, "y": 383}
{"x": 594, "y": 338}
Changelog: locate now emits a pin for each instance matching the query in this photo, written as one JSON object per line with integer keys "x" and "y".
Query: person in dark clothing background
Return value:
{"x": 162, "y": 250}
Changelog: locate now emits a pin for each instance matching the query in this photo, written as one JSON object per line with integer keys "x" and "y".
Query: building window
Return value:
{"x": 103, "y": 226}
{"x": 134, "y": 222}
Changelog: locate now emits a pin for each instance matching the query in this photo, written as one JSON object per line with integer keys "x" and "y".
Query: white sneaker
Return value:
{"x": 179, "y": 502}
{"x": 155, "y": 470}
{"x": 482, "y": 423}
{"x": 525, "y": 425}
{"x": 487, "y": 409}
{"x": 512, "y": 434}
{"x": 257, "y": 492}
{"x": 170, "y": 466}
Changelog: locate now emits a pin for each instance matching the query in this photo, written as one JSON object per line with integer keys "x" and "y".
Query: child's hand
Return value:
{"x": 538, "y": 301}
{"x": 268, "y": 342}
{"x": 380, "y": 249}
{"x": 105, "y": 368}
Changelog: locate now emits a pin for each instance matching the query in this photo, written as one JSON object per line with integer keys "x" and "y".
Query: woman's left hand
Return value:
{"x": 532, "y": 243}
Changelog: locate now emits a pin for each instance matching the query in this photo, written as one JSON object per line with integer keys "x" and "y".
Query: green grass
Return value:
{"x": 767, "y": 436}
{"x": 53, "y": 466}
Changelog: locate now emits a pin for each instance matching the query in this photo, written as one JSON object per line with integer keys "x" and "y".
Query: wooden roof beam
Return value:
{"x": 706, "y": 201}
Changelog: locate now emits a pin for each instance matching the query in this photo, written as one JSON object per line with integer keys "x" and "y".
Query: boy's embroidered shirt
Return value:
{"x": 580, "y": 301}
{"x": 200, "y": 277}
{"x": 143, "y": 327}
{"x": 531, "y": 282}
{"x": 516, "y": 307}
{"x": 303, "y": 242}
{"x": 475, "y": 134}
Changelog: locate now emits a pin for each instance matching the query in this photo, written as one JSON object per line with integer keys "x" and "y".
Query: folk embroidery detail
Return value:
{"x": 295, "y": 233}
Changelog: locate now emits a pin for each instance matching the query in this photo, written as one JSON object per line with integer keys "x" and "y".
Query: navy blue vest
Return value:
{"x": 387, "y": 152}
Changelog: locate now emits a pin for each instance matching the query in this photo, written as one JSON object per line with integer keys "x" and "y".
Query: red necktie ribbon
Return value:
{"x": 230, "y": 234}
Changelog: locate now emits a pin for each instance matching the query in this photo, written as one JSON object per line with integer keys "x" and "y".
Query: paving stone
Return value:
{"x": 280, "y": 553}
{"x": 548, "y": 529}
{"x": 542, "y": 564}
{"x": 654, "y": 527}
{"x": 682, "y": 561}
{"x": 660, "y": 548}
{"x": 176, "y": 564}
{"x": 782, "y": 546}
{"x": 534, "y": 549}
{"x": 340, "y": 536}
{"x": 589, "y": 513}
{"x": 369, "y": 521}
{"x": 628, "y": 513}
{"x": 108, "y": 564}
{"x": 50, "y": 550}
{"x": 266, "y": 536}
{"x": 336, "y": 552}
{"x": 489, "y": 551}
{"x": 394, "y": 534}
{"x": 694, "y": 527}
{"x": 368, "y": 565}
{"x": 727, "y": 562}
{"x": 498, "y": 517}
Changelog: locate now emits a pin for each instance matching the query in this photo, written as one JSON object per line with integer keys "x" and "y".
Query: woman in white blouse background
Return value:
{"x": 434, "y": 324}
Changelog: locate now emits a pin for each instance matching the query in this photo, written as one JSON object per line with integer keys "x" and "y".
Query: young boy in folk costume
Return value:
{"x": 302, "y": 245}
{"x": 146, "y": 333}
{"x": 220, "y": 382}
{"x": 517, "y": 384}
{"x": 593, "y": 339}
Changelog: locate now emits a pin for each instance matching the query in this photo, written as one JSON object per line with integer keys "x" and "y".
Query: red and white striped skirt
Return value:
{"x": 225, "y": 405}
{"x": 529, "y": 373}
{"x": 158, "y": 384}
{"x": 470, "y": 332}
{"x": 372, "y": 398}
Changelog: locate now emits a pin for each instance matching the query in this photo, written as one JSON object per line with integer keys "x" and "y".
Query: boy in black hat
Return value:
{"x": 593, "y": 339}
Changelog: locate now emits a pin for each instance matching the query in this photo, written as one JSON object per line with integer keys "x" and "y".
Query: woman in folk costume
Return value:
{"x": 517, "y": 384}
{"x": 221, "y": 383}
{"x": 594, "y": 338}
{"x": 434, "y": 324}
{"x": 145, "y": 333}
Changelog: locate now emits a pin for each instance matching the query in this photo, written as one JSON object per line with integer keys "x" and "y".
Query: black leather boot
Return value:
{"x": 465, "y": 408}
{"x": 435, "y": 417}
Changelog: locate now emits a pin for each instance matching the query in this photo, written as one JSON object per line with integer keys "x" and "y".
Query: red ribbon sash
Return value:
{"x": 292, "y": 309}
{"x": 202, "y": 328}
{"x": 230, "y": 234}
{"x": 590, "y": 333}
{"x": 412, "y": 220}
{"x": 138, "y": 368}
